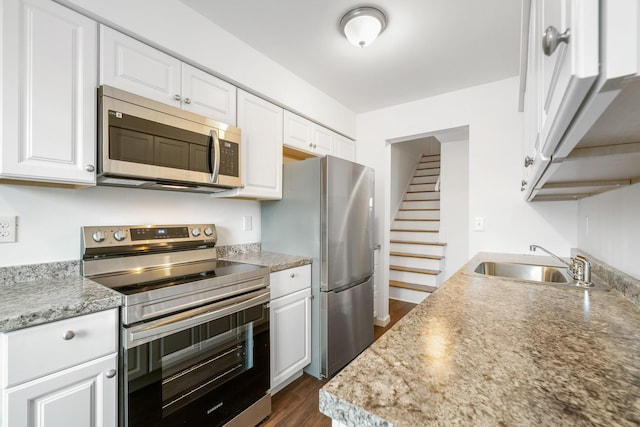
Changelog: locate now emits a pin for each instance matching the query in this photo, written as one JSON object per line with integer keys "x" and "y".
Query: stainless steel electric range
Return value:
{"x": 194, "y": 329}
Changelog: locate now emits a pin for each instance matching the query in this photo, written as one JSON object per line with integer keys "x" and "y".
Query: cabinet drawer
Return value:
{"x": 290, "y": 280}
{"x": 40, "y": 350}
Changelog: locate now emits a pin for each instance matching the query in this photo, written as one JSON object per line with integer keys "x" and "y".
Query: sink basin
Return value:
{"x": 537, "y": 273}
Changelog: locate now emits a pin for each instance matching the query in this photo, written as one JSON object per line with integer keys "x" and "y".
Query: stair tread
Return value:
{"x": 411, "y": 242}
{"x": 414, "y": 230}
{"x": 420, "y": 200}
{"x": 417, "y": 219}
{"x": 421, "y": 191}
{"x": 412, "y": 286}
{"x": 423, "y": 209}
{"x": 415, "y": 270}
{"x": 410, "y": 255}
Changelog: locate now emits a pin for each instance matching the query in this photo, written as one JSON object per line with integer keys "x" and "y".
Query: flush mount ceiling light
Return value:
{"x": 362, "y": 25}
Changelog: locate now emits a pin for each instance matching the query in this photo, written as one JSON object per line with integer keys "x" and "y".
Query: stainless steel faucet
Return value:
{"x": 579, "y": 267}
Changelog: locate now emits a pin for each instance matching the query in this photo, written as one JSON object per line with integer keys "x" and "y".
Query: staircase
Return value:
{"x": 416, "y": 254}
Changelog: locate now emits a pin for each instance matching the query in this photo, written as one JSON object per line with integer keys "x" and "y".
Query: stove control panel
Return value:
{"x": 116, "y": 236}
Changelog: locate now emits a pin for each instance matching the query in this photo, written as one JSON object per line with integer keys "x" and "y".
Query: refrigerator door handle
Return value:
{"x": 351, "y": 285}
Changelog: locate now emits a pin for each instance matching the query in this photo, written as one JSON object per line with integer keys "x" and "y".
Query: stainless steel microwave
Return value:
{"x": 147, "y": 144}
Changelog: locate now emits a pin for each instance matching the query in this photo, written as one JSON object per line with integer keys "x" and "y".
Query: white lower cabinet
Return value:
{"x": 290, "y": 325}
{"x": 62, "y": 373}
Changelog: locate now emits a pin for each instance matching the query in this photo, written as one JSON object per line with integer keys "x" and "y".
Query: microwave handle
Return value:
{"x": 213, "y": 156}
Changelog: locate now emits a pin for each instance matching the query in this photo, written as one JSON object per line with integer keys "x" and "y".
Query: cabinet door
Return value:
{"x": 261, "y": 124}
{"x": 49, "y": 61}
{"x": 208, "y": 96}
{"x": 133, "y": 66}
{"x": 290, "y": 336}
{"x": 83, "y": 396}
{"x": 566, "y": 73}
{"x": 344, "y": 148}
{"x": 322, "y": 141}
{"x": 298, "y": 132}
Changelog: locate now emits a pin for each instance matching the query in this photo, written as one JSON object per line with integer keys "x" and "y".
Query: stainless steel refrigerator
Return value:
{"x": 326, "y": 213}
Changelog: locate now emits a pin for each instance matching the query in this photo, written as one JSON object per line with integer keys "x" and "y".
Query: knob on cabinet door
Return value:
{"x": 69, "y": 335}
{"x": 552, "y": 39}
{"x": 528, "y": 161}
{"x": 177, "y": 97}
{"x": 112, "y": 373}
{"x": 187, "y": 100}
{"x": 90, "y": 168}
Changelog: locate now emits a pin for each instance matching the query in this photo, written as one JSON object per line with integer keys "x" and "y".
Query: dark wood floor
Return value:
{"x": 297, "y": 404}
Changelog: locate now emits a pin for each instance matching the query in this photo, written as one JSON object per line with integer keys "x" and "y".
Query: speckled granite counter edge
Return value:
{"x": 30, "y": 272}
{"x": 627, "y": 286}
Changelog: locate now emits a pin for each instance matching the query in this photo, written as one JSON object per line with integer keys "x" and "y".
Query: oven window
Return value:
{"x": 204, "y": 375}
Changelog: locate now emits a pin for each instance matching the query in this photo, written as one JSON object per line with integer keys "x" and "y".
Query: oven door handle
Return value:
{"x": 151, "y": 331}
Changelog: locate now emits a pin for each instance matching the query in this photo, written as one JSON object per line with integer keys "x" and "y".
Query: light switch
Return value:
{"x": 479, "y": 224}
{"x": 247, "y": 223}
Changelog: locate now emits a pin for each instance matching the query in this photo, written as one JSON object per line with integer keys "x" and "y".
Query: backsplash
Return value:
{"x": 627, "y": 286}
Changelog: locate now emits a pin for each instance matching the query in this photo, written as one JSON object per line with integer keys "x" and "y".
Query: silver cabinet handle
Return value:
{"x": 310, "y": 145}
{"x": 112, "y": 373}
{"x": 187, "y": 100}
{"x": 552, "y": 38}
{"x": 528, "y": 161}
{"x": 177, "y": 97}
{"x": 69, "y": 335}
{"x": 89, "y": 168}
{"x": 292, "y": 275}
{"x": 523, "y": 185}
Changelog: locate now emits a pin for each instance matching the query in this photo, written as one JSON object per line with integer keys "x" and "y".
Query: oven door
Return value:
{"x": 197, "y": 368}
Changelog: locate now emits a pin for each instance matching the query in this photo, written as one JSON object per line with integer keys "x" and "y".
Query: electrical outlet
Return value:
{"x": 7, "y": 229}
{"x": 478, "y": 224}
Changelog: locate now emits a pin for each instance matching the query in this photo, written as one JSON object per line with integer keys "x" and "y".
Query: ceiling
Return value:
{"x": 429, "y": 47}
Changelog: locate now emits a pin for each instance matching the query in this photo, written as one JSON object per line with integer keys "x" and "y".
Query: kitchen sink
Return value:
{"x": 532, "y": 272}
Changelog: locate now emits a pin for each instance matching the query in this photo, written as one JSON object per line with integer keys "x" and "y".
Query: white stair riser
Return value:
{"x": 418, "y": 215}
{"x": 436, "y": 250}
{"x": 427, "y": 172}
{"x": 417, "y": 225}
{"x": 412, "y": 236}
{"x": 422, "y": 187}
{"x": 435, "y": 204}
{"x": 408, "y": 295}
{"x": 417, "y": 278}
{"x": 429, "y": 164}
{"x": 424, "y": 180}
{"x": 423, "y": 196}
{"x": 425, "y": 263}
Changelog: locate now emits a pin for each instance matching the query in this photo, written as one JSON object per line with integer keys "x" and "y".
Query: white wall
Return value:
{"x": 49, "y": 219}
{"x": 495, "y": 169}
{"x": 609, "y": 228}
{"x": 176, "y": 28}
{"x": 454, "y": 204}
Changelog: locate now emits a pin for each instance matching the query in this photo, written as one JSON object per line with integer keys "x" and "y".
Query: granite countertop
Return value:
{"x": 274, "y": 261}
{"x": 32, "y": 295}
{"x": 493, "y": 351}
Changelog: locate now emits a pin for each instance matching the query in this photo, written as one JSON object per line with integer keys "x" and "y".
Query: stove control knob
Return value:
{"x": 98, "y": 236}
{"x": 208, "y": 231}
{"x": 120, "y": 235}
{"x": 195, "y": 232}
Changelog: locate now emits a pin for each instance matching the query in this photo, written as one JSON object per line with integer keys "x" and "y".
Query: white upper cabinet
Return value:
{"x": 581, "y": 97}
{"x": 304, "y": 135}
{"x": 49, "y": 80}
{"x": 131, "y": 65}
{"x": 568, "y": 33}
{"x": 207, "y": 95}
{"x": 344, "y": 148}
{"x": 261, "y": 125}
